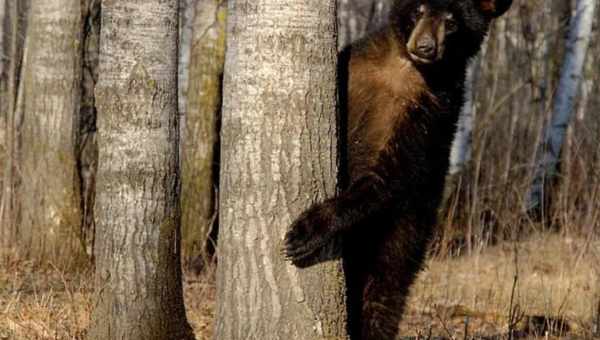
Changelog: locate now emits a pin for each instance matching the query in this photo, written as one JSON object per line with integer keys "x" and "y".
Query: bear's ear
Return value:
{"x": 494, "y": 8}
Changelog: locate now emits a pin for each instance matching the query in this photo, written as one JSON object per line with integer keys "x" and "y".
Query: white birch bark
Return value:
{"x": 546, "y": 163}
{"x": 460, "y": 153}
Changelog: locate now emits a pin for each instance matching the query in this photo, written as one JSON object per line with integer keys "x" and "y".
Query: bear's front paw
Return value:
{"x": 308, "y": 234}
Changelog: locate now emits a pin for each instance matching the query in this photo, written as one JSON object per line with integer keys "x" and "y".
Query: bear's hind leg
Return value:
{"x": 383, "y": 306}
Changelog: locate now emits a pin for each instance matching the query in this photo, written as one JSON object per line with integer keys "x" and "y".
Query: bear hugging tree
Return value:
{"x": 405, "y": 89}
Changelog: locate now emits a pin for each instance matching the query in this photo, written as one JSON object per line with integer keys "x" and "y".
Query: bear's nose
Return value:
{"x": 426, "y": 47}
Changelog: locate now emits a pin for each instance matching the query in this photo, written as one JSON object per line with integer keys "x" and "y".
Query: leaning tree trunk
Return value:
{"x": 201, "y": 135}
{"x": 49, "y": 195}
{"x": 279, "y": 142}
{"x": 138, "y": 272}
{"x": 546, "y": 165}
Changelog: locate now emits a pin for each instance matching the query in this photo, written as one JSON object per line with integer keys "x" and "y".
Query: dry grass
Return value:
{"x": 557, "y": 279}
{"x": 46, "y": 303}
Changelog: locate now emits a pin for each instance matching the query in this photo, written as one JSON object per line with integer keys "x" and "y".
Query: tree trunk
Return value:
{"x": 49, "y": 197}
{"x": 460, "y": 154}
{"x": 279, "y": 142}
{"x": 201, "y": 135}
{"x": 563, "y": 106}
{"x": 138, "y": 272}
{"x": 3, "y": 96}
{"x": 3, "y": 54}
{"x": 186, "y": 21}
{"x": 14, "y": 29}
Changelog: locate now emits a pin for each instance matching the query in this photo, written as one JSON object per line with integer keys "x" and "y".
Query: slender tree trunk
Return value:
{"x": 3, "y": 49}
{"x": 278, "y": 149}
{"x": 460, "y": 154}
{"x": 14, "y": 29}
{"x": 563, "y": 106}
{"x": 187, "y": 9}
{"x": 3, "y": 115}
{"x": 201, "y": 135}
{"x": 49, "y": 197}
{"x": 138, "y": 272}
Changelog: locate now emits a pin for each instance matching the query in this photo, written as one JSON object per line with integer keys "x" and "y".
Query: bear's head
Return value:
{"x": 444, "y": 30}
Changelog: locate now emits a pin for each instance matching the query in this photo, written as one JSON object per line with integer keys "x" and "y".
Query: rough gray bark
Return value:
{"x": 48, "y": 194}
{"x": 278, "y": 156}
{"x": 201, "y": 135}
{"x": 546, "y": 164}
{"x": 138, "y": 272}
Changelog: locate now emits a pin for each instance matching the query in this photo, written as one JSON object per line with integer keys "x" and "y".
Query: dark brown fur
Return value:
{"x": 404, "y": 93}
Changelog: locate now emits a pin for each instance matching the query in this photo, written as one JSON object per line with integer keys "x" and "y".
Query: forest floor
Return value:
{"x": 552, "y": 281}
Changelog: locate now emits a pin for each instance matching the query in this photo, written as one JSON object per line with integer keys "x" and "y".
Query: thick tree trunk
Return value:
{"x": 49, "y": 197}
{"x": 278, "y": 156}
{"x": 138, "y": 272}
{"x": 201, "y": 135}
{"x": 571, "y": 74}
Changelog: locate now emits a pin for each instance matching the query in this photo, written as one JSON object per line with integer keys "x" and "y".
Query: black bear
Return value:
{"x": 405, "y": 88}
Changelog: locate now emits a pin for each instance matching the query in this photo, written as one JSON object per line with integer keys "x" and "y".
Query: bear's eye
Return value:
{"x": 451, "y": 24}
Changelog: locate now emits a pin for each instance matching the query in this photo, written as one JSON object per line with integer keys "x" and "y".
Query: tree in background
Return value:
{"x": 48, "y": 193}
{"x": 138, "y": 272}
{"x": 87, "y": 148}
{"x": 358, "y": 17}
{"x": 187, "y": 10}
{"x": 278, "y": 152}
{"x": 200, "y": 138}
{"x": 546, "y": 163}
{"x": 13, "y": 27}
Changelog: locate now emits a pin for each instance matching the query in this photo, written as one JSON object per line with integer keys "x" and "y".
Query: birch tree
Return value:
{"x": 278, "y": 151}
{"x": 48, "y": 193}
{"x": 461, "y": 147}
{"x": 546, "y": 163}
{"x": 201, "y": 136}
{"x": 138, "y": 272}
